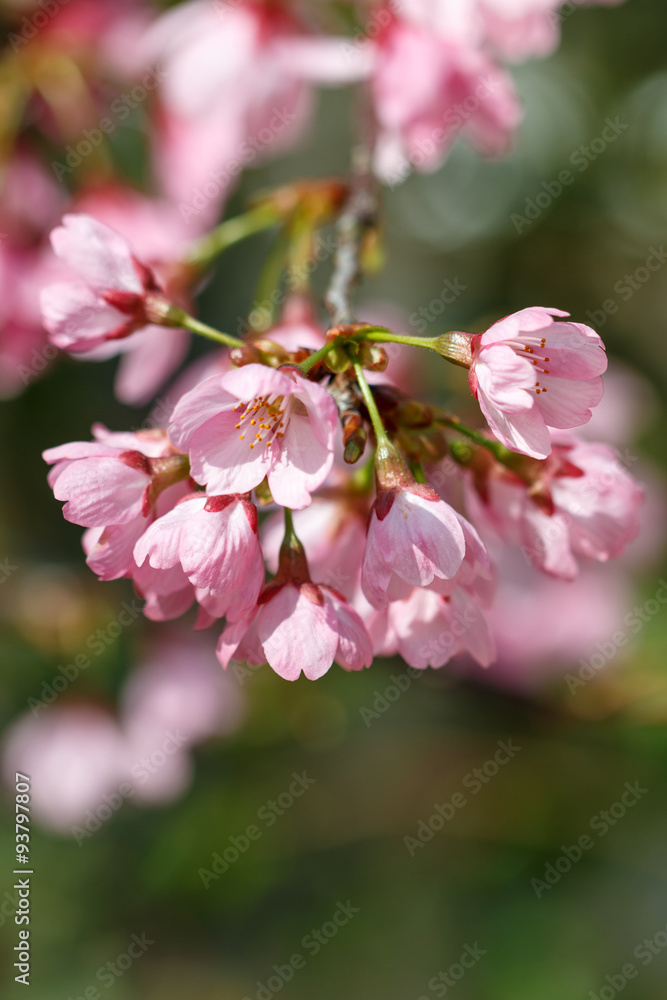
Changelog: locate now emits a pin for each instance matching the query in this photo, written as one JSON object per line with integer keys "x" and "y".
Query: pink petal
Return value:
{"x": 155, "y": 355}
{"x": 297, "y": 634}
{"x": 101, "y": 491}
{"x": 196, "y": 407}
{"x": 302, "y": 463}
{"x": 567, "y": 403}
{"x": 76, "y": 318}
{"x": 355, "y": 649}
{"x": 221, "y": 456}
{"x": 96, "y": 253}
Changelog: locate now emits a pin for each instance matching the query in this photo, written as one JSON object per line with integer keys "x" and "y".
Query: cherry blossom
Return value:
{"x": 530, "y": 372}
{"x": 258, "y": 423}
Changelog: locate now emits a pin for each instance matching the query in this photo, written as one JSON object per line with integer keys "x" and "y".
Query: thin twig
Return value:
{"x": 358, "y": 216}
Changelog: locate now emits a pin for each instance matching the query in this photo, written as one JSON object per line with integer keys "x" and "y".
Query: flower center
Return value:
{"x": 534, "y": 350}
{"x": 262, "y": 420}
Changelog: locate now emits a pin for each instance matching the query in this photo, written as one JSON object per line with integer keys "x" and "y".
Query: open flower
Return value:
{"x": 257, "y": 422}
{"x": 108, "y": 300}
{"x": 530, "y": 372}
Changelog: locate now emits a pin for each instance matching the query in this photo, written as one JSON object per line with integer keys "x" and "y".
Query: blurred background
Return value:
{"x": 300, "y": 819}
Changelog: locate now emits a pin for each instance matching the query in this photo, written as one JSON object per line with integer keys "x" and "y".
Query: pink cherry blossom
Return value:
{"x": 427, "y": 629}
{"x": 108, "y": 298}
{"x": 299, "y": 627}
{"x": 583, "y": 502}
{"x": 214, "y": 539}
{"x": 258, "y": 422}
{"x": 107, "y": 484}
{"x": 420, "y": 79}
{"x": 216, "y": 112}
{"x": 530, "y": 372}
{"x": 159, "y": 236}
{"x": 75, "y": 754}
{"x": 413, "y": 538}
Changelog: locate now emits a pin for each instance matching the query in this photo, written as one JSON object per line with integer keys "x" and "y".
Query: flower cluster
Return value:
{"x": 367, "y": 565}
{"x": 433, "y": 70}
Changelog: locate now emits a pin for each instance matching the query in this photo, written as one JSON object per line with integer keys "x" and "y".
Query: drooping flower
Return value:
{"x": 115, "y": 486}
{"x": 530, "y": 372}
{"x": 413, "y": 538}
{"x": 107, "y": 483}
{"x": 298, "y": 625}
{"x": 428, "y": 629}
{"x": 214, "y": 540}
{"x": 258, "y": 422}
{"x": 580, "y": 502}
{"x": 112, "y": 295}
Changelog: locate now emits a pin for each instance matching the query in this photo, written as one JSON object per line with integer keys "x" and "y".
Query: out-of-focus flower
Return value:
{"x": 109, "y": 299}
{"x": 217, "y": 113}
{"x": 84, "y": 763}
{"x": 582, "y": 503}
{"x": 74, "y": 755}
{"x": 428, "y": 87}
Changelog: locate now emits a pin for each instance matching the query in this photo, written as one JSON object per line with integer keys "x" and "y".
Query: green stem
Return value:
{"x": 502, "y": 453}
{"x": 196, "y": 326}
{"x": 316, "y": 356}
{"x": 383, "y": 441}
{"x": 230, "y": 232}
{"x": 379, "y": 335}
{"x": 290, "y": 533}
